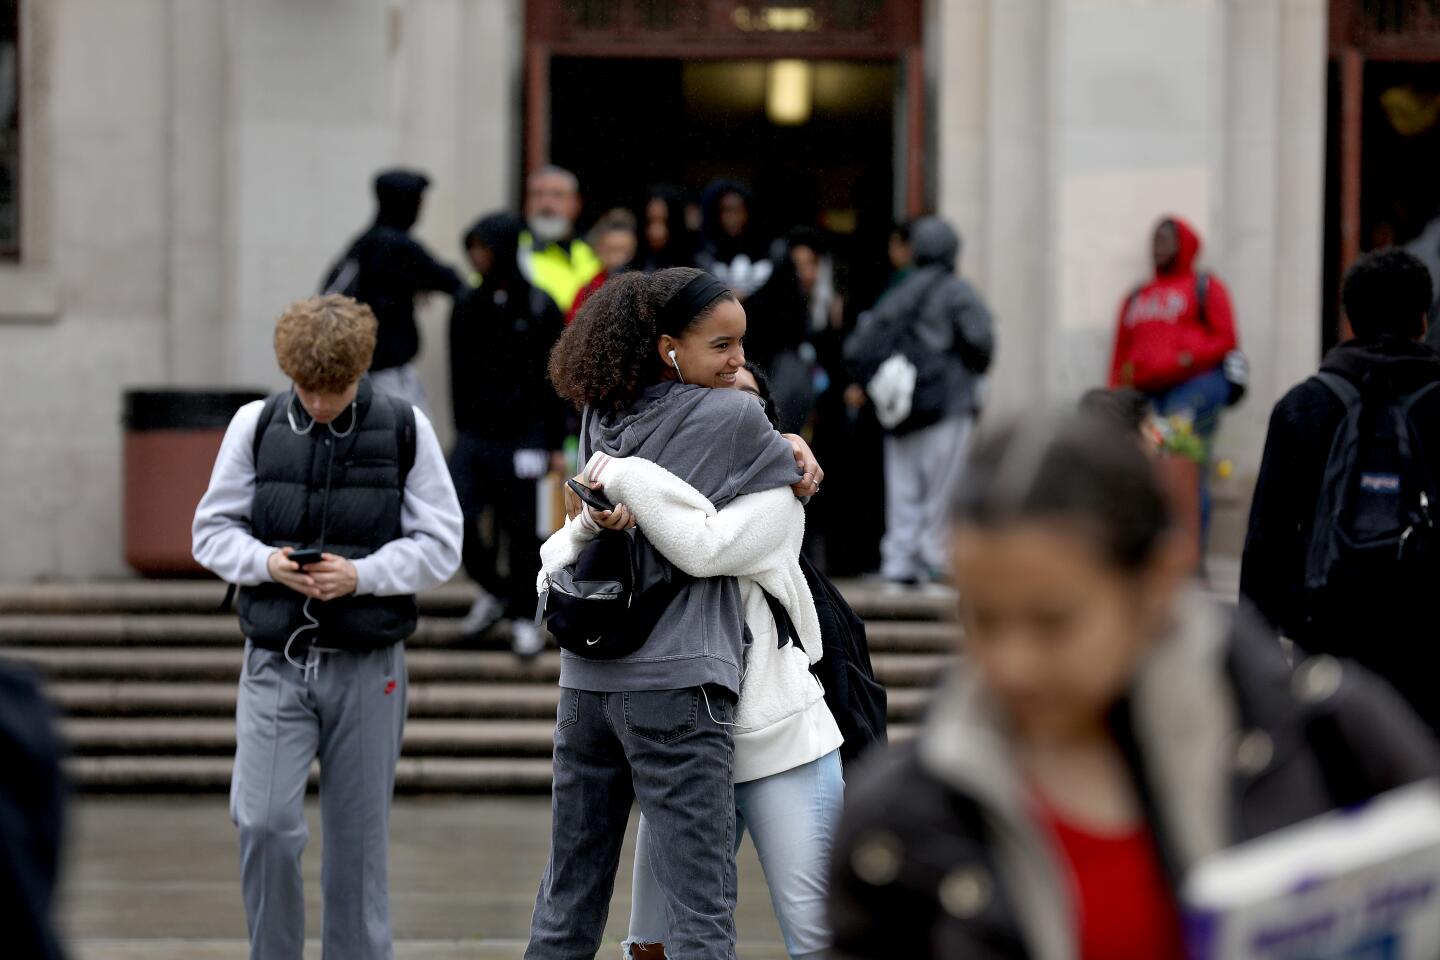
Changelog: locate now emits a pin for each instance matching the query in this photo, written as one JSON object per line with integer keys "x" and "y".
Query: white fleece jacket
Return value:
{"x": 782, "y": 721}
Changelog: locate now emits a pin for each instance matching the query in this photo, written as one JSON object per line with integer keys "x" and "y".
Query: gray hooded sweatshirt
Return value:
{"x": 947, "y": 320}
{"x": 719, "y": 442}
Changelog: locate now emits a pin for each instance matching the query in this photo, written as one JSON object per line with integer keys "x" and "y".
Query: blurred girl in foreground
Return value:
{"x": 1110, "y": 726}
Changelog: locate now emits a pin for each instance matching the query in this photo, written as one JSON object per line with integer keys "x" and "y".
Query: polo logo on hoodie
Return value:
{"x": 1380, "y": 482}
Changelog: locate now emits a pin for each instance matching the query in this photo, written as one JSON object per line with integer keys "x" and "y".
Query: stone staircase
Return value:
{"x": 145, "y": 676}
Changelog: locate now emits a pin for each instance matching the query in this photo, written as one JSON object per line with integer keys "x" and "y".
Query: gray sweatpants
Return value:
{"x": 922, "y": 470}
{"x": 349, "y": 710}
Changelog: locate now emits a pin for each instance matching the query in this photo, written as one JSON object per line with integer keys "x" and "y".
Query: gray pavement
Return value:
{"x": 158, "y": 879}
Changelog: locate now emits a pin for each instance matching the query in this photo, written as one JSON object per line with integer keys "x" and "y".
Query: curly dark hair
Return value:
{"x": 607, "y": 356}
{"x": 1387, "y": 292}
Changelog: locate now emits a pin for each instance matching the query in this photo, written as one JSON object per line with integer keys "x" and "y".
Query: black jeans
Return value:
{"x": 672, "y": 751}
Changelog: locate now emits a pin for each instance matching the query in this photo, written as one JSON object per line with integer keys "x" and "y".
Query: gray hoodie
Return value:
{"x": 719, "y": 442}
{"x": 940, "y": 318}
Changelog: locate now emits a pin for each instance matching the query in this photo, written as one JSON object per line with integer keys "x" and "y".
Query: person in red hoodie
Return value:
{"x": 1174, "y": 336}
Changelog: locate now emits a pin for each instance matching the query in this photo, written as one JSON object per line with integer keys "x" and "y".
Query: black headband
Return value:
{"x": 687, "y": 304}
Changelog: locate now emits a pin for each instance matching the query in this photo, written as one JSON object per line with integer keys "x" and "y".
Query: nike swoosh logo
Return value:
{"x": 591, "y": 643}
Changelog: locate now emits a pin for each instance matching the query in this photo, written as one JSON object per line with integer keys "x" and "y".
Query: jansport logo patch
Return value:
{"x": 1380, "y": 482}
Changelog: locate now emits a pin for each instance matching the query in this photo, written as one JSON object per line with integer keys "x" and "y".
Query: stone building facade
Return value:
{"x": 190, "y": 166}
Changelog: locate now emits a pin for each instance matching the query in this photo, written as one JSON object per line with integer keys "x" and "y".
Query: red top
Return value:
{"x": 1125, "y": 906}
{"x": 1161, "y": 340}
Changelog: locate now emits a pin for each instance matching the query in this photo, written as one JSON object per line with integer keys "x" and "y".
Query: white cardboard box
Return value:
{"x": 1358, "y": 884}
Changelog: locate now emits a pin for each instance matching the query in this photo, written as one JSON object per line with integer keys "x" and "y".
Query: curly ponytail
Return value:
{"x": 607, "y": 355}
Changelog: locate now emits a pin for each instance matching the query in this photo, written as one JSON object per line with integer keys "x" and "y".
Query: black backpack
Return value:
{"x": 1373, "y": 535}
{"x": 855, "y": 698}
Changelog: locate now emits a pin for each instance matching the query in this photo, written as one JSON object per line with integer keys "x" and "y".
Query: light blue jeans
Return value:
{"x": 792, "y": 818}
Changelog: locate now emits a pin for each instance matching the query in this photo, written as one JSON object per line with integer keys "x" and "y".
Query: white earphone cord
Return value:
{"x": 314, "y": 623}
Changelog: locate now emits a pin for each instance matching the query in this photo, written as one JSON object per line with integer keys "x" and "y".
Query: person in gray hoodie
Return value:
{"x": 921, "y": 354}
{"x": 656, "y": 726}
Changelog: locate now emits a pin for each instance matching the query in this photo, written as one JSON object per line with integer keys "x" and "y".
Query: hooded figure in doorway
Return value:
{"x": 385, "y": 268}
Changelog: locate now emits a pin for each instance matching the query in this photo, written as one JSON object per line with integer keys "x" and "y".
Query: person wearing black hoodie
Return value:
{"x": 509, "y": 423}
{"x": 731, "y": 249}
{"x": 385, "y": 268}
{"x": 1386, "y": 296}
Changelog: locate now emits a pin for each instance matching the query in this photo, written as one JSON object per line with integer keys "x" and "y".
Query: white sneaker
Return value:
{"x": 484, "y": 612}
{"x": 527, "y": 641}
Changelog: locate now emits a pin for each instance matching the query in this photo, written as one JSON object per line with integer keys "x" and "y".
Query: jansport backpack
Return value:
{"x": 605, "y": 605}
{"x": 1373, "y": 534}
{"x": 856, "y": 699}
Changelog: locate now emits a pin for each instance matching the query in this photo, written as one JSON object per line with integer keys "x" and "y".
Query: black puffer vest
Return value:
{"x": 339, "y": 493}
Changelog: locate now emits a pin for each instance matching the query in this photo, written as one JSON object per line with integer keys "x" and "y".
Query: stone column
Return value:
{"x": 196, "y": 296}
{"x": 1069, "y": 127}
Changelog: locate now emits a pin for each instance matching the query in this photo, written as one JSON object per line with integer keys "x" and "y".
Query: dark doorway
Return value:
{"x": 622, "y": 124}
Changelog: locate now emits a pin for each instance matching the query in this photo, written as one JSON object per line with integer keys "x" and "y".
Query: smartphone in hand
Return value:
{"x": 306, "y": 556}
{"x": 589, "y": 495}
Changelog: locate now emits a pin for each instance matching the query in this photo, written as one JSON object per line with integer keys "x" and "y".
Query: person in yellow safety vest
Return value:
{"x": 551, "y": 256}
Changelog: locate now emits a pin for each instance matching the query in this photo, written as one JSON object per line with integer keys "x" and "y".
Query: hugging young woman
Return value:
{"x": 656, "y": 726}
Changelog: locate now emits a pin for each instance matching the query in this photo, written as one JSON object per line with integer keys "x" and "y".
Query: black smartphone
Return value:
{"x": 306, "y": 556}
{"x": 591, "y": 496}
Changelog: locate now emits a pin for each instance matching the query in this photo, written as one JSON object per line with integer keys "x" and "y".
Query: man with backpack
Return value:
{"x": 330, "y": 507}
{"x": 1175, "y": 341}
{"x": 1342, "y": 553}
{"x": 921, "y": 353}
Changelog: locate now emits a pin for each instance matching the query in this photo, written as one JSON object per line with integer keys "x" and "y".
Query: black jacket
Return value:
{"x": 926, "y": 862}
{"x": 31, "y": 800}
{"x": 1393, "y": 639}
{"x": 392, "y": 268}
{"x": 501, "y": 335}
{"x": 344, "y": 494}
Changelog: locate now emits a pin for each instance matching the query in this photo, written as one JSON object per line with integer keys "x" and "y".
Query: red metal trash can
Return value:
{"x": 171, "y": 439}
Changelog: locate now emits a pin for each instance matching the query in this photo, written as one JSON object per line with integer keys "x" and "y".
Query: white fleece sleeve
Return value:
{"x": 745, "y": 539}
{"x": 562, "y": 549}
{"x": 431, "y": 527}
{"x": 220, "y": 537}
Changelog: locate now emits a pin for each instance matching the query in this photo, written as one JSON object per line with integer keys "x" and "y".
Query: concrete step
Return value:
{"x": 185, "y": 665}
{"x": 212, "y": 775}
{"x": 197, "y": 596}
{"x": 216, "y": 737}
{"x": 501, "y": 701}
{"x": 202, "y": 596}
{"x": 423, "y": 738}
{"x": 196, "y": 630}
{"x": 413, "y": 775}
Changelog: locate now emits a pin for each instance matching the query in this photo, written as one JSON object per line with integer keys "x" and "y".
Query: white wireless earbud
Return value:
{"x": 676, "y": 364}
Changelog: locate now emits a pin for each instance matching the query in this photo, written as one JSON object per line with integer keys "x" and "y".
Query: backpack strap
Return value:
{"x": 1410, "y": 399}
{"x": 1345, "y": 390}
{"x": 405, "y": 438}
{"x": 784, "y": 626}
{"x": 267, "y": 414}
{"x": 1202, "y": 297}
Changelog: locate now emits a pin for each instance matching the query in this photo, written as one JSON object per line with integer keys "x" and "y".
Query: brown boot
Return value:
{"x": 647, "y": 951}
